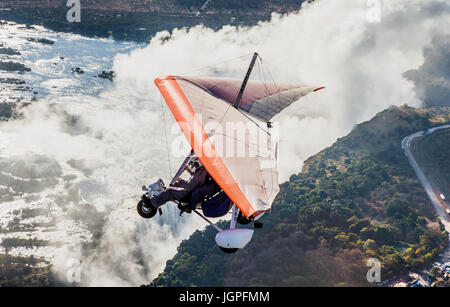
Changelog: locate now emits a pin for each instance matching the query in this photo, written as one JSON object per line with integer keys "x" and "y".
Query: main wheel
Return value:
{"x": 241, "y": 219}
{"x": 145, "y": 209}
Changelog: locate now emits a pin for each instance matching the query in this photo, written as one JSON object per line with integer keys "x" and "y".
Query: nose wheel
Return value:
{"x": 257, "y": 225}
{"x": 145, "y": 208}
{"x": 242, "y": 219}
{"x": 229, "y": 250}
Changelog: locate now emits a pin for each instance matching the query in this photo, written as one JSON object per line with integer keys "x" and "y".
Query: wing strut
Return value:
{"x": 208, "y": 221}
{"x": 244, "y": 83}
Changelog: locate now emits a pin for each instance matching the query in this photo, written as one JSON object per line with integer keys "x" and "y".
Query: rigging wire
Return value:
{"x": 262, "y": 77}
{"x": 167, "y": 150}
{"x": 214, "y": 65}
{"x": 248, "y": 117}
{"x": 166, "y": 138}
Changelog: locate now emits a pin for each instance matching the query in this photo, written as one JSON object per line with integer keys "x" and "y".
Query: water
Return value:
{"x": 51, "y": 65}
{"x": 78, "y": 157}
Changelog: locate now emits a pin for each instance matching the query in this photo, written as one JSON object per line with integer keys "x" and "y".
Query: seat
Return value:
{"x": 217, "y": 205}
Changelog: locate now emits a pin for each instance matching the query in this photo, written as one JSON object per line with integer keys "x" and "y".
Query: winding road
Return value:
{"x": 433, "y": 191}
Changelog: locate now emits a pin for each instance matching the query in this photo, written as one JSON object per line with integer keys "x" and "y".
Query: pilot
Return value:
{"x": 193, "y": 191}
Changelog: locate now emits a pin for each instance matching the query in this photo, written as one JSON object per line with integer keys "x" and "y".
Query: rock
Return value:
{"x": 9, "y": 51}
{"x": 6, "y": 111}
{"x": 107, "y": 75}
{"x": 12, "y": 81}
{"x": 29, "y": 27}
{"x": 41, "y": 40}
{"x": 23, "y": 89}
{"x": 77, "y": 70}
{"x": 13, "y": 66}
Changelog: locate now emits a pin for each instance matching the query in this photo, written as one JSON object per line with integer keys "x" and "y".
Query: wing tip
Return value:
{"x": 319, "y": 88}
{"x": 159, "y": 80}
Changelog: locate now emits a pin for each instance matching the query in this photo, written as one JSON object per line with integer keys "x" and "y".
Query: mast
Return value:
{"x": 244, "y": 83}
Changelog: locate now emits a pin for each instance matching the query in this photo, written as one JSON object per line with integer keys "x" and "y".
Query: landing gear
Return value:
{"x": 183, "y": 209}
{"x": 145, "y": 208}
{"x": 257, "y": 225}
{"x": 229, "y": 250}
{"x": 241, "y": 219}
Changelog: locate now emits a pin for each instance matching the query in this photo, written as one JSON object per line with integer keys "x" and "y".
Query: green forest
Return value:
{"x": 355, "y": 200}
{"x": 24, "y": 272}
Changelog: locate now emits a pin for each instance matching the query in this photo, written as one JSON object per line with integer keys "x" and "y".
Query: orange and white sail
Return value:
{"x": 234, "y": 142}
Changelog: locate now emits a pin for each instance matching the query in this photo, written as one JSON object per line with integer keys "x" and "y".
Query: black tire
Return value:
{"x": 229, "y": 250}
{"x": 241, "y": 219}
{"x": 145, "y": 209}
{"x": 257, "y": 225}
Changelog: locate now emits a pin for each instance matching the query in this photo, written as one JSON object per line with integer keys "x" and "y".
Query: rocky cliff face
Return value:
{"x": 165, "y": 6}
{"x": 355, "y": 200}
{"x": 138, "y": 20}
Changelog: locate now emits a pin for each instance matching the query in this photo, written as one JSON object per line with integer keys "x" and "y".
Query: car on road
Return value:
{"x": 442, "y": 196}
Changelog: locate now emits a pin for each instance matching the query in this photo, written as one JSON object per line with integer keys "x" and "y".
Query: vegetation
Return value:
{"x": 355, "y": 200}
{"x": 7, "y": 110}
{"x": 8, "y": 243}
{"x": 18, "y": 271}
{"x": 9, "y": 51}
{"x": 24, "y": 271}
{"x": 27, "y": 213}
{"x": 13, "y": 66}
{"x": 166, "y": 6}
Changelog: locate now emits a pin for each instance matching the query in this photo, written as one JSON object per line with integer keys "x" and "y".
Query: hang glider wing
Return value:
{"x": 233, "y": 143}
{"x": 261, "y": 99}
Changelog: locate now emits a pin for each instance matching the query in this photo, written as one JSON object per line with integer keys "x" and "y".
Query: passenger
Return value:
{"x": 193, "y": 191}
